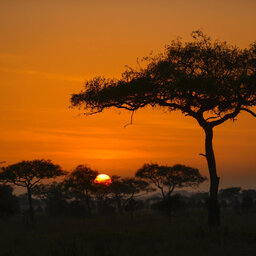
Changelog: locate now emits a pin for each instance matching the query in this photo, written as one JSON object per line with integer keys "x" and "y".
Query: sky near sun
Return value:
{"x": 49, "y": 48}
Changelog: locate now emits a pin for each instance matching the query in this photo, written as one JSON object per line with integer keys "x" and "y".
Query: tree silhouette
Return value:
{"x": 29, "y": 173}
{"x": 230, "y": 196}
{"x": 207, "y": 80}
{"x": 124, "y": 189}
{"x": 101, "y": 192}
{"x": 230, "y": 193}
{"x": 167, "y": 178}
{"x": 248, "y": 199}
{"x": 249, "y": 192}
{"x": 80, "y": 183}
{"x": 54, "y": 196}
{"x": 247, "y": 204}
{"x": 132, "y": 205}
{"x": 169, "y": 204}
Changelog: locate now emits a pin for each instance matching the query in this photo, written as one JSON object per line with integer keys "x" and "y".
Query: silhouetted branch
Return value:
{"x": 249, "y": 111}
{"x": 93, "y": 113}
{"x": 226, "y": 117}
{"x": 212, "y": 117}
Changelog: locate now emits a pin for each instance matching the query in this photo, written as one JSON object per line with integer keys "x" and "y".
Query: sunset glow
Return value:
{"x": 48, "y": 50}
{"x": 103, "y": 179}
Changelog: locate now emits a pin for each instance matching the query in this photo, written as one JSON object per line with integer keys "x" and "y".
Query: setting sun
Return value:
{"x": 103, "y": 179}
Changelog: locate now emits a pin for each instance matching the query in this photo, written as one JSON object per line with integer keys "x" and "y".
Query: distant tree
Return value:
{"x": 229, "y": 193}
{"x": 80, "y": 184}
{"x": 247, "y": 203}
{"x": 101, "y": 194}
{"x": 231, "y": 196}
{"x": 249, "y": 192}
{"x": 132, "y": 205}
{"x": 198, "y": 199}
{"x": 167, "y": 178}
{"x": 124, "y": 189}
{"x": 54, "y": 196}
{"x": 169, "y": 204}
{"x": 8, "y": 201}
{"x": 29, "y": 173}
{"x": 207, "y": 80}
{"x": 248, "y": 199}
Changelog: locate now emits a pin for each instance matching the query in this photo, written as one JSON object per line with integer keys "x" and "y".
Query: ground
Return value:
{"x": 147, "y": 234}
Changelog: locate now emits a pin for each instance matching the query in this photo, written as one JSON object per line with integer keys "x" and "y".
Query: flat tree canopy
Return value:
{"x": 29, "y": 173}
{"x": 208, "y": 80}
{"x": 167, "y": 178}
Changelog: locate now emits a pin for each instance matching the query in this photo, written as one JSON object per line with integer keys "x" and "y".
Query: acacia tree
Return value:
{"x": 207, "y": 80}
{"x": 167, "y": 178}
{"x": 80, "y": 184}
{"x": 29, "y": 173}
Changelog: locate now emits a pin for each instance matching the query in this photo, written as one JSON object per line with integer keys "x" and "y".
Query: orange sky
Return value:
{"x": 48, "y": 48}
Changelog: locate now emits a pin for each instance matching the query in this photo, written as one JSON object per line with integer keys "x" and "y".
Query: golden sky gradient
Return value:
{"x": 47, "y": 50}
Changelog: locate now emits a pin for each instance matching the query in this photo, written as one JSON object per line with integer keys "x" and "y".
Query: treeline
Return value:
{"x": 76, "y": 194}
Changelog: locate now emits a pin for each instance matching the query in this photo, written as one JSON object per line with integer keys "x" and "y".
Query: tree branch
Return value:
{"x": 249, "y": 111}
{"x": 211, "y": 117}
{"x": 32, "y": 184}
{"x": 226, "y": 117}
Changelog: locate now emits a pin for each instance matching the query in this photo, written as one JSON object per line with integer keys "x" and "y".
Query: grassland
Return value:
{"x": 147, "y": 234}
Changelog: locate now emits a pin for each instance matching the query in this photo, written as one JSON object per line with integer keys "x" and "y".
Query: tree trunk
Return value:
{"x": 88, "y": 203}
{"x": 212, "y": 204}
{"x": 163, "y": 194}
{"x": 31, "y": 209}
{"x": 119, "y": 206}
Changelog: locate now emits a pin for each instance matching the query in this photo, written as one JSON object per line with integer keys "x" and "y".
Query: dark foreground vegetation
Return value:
{"x": 149, "y": 233}
{"x": 140, "y": 215}
{"x": 148, "y": 224}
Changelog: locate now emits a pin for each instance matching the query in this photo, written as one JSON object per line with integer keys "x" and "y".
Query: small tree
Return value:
{"x": 101, "y": 192}
{"x": 29, "y": 173}
{"x": 207, "y": 80}
{"x": 167, "y": 178}
{"x": 80, "y": 184}
{"x": 54, "y": 196}
{"x": 124, "y": 189}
